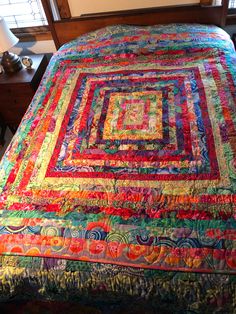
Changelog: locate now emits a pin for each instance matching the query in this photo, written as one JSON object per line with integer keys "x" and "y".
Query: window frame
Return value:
{"x": 33, "y": 33}
{"x": 36, "y": 33}
{"x": 231, "y": 16}
{"x": 232, "y": 10}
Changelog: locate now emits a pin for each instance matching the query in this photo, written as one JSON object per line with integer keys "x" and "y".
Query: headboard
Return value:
{"x": 67, "y": 29}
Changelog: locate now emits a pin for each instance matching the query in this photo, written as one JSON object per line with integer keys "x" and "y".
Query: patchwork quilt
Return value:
{"x": 126, "y": 159}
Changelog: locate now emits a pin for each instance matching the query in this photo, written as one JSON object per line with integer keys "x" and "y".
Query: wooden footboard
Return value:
{"x": 67, "y": 29}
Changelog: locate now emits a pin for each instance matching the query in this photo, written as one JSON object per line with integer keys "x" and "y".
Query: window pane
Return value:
{"x": 23, "y": 13}
{"x": 232, "y": 4}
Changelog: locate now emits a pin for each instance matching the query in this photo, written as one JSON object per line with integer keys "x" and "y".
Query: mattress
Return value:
{"x": 120, "y": 181}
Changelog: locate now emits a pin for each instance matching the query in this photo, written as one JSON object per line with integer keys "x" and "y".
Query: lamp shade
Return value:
{"x": 7, "y": 38}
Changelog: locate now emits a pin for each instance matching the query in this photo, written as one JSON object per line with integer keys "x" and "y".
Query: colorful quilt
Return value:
{"x": 126, "y": 159}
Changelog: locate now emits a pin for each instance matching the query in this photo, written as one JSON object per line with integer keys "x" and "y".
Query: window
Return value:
{"x": 26, "y": 18}
{"x": 232, "y": 7}
{"x": 232, "y": 4}
{"x": 23, "y": 13}
{"x": 231, "y": 14}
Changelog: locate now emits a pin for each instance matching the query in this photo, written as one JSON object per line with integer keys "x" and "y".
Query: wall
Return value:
{"x": 230, "y": 29}
{"x": 32, "y": 47}
{"x": 94, "y": 6}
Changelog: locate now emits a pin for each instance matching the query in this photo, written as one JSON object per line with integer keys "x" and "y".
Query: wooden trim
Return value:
{"x": 63, "y": 8}
{"x": 231, "y": 19}
{"x": 49, "y": 15}
{"x": 206, "y": 2}
{"x": 225, "y": 7}
{"x": 35, "y": 37}
{"x": 33, "y": 33}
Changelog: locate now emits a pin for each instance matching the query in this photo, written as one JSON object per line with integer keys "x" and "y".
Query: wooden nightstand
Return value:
{"x": 18, "y": 89}
{"x": 2, "y": 131}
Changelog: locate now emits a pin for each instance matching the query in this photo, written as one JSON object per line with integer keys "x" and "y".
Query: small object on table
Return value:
{"x": 27, "y": 62}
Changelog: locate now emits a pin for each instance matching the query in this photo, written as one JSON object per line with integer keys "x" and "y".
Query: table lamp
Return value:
{"x": 10, "y": 62}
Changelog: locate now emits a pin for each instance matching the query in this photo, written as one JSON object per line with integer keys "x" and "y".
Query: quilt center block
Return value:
{"x": 124, "y": 118}
{"x": 134, "y": 116}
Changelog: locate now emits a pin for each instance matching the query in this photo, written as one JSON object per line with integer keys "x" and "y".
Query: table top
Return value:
{"x": 24, "y": 75}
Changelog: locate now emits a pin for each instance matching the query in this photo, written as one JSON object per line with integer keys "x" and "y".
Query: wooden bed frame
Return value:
{"x": 67, "y": 29}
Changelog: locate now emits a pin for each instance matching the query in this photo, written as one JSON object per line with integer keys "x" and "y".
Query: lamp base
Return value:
{"x": 10, "y": 62}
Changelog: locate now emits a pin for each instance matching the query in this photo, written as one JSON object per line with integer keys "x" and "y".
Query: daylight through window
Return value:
{"x": 232, "y": 4}
{"x": 23, "y": 13}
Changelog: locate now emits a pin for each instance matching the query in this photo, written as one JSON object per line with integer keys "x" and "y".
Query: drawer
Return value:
{"x": 13, "y": 116}
{"x": 15, "y": 100}
{"x": 13, "y": 91}
{"x": 13, "y": 106}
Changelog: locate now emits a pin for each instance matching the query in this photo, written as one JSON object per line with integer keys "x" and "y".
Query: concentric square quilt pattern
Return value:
{"x": 127, "y": 155}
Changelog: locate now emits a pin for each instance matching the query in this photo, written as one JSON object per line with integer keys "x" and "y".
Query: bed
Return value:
{"x": 118, "y": 189}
